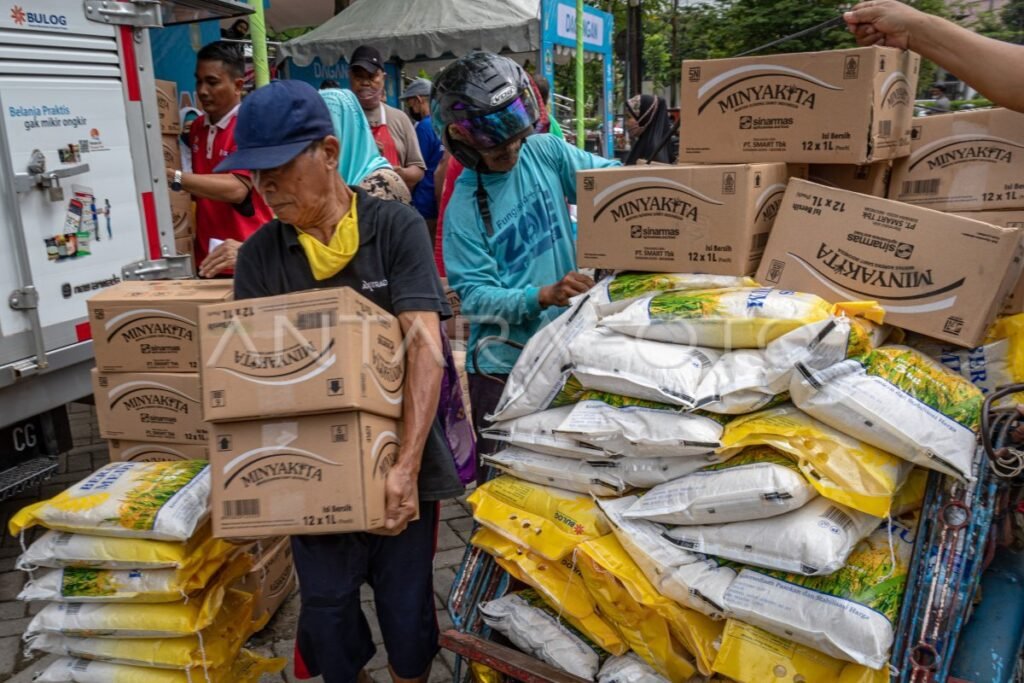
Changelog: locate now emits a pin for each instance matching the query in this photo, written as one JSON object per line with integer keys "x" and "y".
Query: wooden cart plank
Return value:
{"x": 511, "y": 662}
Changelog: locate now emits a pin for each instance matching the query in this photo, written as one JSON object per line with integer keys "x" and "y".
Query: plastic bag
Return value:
{"x": 535, "y": 628}
{"x": 246, "y": 668}
{"x": 752, "y": 655}
{"x": 672, "y": 639}
{"x": 219, "y": 644}
{"x": 608, "y": 476}
{"x": 536, "y": 432}
{"x": 757, "y": 483}
{"x": 116, "y": 620}
{"x": 617, "y": 292}
{"x": 850, "y": 614}
{"x": 164, "y": 501}
{"x": 74, "y": 584}
{"x": 550, "y": 522}
{"x": 692, "y": 580}
{"x": 899, "y": 400}
{"x": 558, "y": 582}
{"x": 628, "y": 668}
{"x": 636, "y": 428}
{"x": 736, "y": 318}
{"x": 58, "y": 549}
{"x": 840, "y": 467}
{"x": 606, "y": 361}
{"x": 813, "y": 540}
{"x": 539, "y": 374}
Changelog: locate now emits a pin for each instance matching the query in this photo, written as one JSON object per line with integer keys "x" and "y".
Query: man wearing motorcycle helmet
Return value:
{"x": 509, "y": 242}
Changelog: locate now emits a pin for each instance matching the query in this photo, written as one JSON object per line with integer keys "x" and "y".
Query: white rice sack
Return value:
{"x": 739, "y": 318}
{"x": 746, "y": 380}
{"x": 548, "y": 470}
{"x": 536, "y": 432}
{"x": 165, "y": 501}
{"x": 102, "y": 585}
{"x": 898, "y": 400}
{"x": 535, "y": 628}
{"x": 693, "y": 580}
{"x": 619, "y": 364}
{"x": 635, "y": 428}
{"x": 541, "y": 371}
{"x": 604, "y": 477}
{"x": 628, "y": 668}
{"x": 757, "y": 483}
{"x": 850, "y": 614}
{"x": 619, "y": 291}
{"x": 813, "y": 540}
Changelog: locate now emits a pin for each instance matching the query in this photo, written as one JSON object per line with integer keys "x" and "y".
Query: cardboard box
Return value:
{"x": 836, "y": 107}
{"x": 310, "y": 352}
{"x": 149, "y": 406}
{"x": 272, "y": 577}
{"x": 141, "y": 451}
{"x": 182, "y": 219}
{"x": 151, "y": 326}
{"x": 938, "y": 274}
{"x": 871, "y": 179}
{"x": 964, "y": 161}
{"x": 456, "y": 327}
{"x": 314, "y": 474}
{"x": 171, "y": 150}
{"x": 1014, "y": 302}
{"x": 167, "y": 107}
{"x": 711, "y": 219}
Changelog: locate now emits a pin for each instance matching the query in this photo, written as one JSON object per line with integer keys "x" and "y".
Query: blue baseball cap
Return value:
{"x": 276, "y": 123}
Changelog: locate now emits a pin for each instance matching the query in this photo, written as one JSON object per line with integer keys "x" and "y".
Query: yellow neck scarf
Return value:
{"x": 327, "y": 260}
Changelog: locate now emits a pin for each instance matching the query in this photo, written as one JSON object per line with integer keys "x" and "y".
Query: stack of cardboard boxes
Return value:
{"x": 148, "y": 397}
{"x": 785, "y": 166}
{"x": 182, "y": 214}
{"x": 303, "y": 392}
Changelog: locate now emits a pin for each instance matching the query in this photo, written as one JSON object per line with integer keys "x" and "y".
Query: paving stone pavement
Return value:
{"x": 277, "y": 639}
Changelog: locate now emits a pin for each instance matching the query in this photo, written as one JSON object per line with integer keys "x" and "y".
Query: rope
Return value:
{"x": 834, "y": 22}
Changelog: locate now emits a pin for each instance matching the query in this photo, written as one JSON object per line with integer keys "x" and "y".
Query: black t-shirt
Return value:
{"x": 394, "y": 268}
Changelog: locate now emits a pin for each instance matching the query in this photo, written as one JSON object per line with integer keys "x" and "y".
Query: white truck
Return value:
{"x": 83, "y": 199}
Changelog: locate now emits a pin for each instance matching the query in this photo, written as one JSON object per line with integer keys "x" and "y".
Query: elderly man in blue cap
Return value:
{"x": 327, "y": 234}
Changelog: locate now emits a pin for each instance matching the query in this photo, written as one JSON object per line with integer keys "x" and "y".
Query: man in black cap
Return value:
{"x": 285, "y": 138}
{"x": 391, "y": 128}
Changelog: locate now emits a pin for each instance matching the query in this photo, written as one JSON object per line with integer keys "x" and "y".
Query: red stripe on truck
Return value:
{"x": 152, "y": 232}
{"x": 131, "y": 65}
{"x": 83, "y": 332}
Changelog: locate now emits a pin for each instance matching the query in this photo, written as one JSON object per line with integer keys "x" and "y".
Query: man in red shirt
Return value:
{"x": 228, "y": 209}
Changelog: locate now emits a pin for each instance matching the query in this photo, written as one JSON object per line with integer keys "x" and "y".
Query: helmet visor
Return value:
{"x": 499, "y": 127}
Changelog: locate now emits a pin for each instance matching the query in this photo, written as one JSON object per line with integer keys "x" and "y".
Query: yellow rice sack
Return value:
{"x": 162, "y": 620}
{"x": 752, "y": 655}
{"x": 59, "y": 549}
{"x": 217, "y": 648}
{"x": 899, "y": 400}
{"x": 550, "y": 522}
{"x": 654, "y": 626}
{"x": 620, "y": 290}
{"x": 558, "y": 583}
{"x": 840, "y": 467}
{"x": 247, "y": 667}
{"x": 735, "y": 318}
{"x": 165, "y": 501}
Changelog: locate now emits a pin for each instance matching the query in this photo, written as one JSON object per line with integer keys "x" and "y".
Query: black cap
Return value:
{"x": 368, "y": 58}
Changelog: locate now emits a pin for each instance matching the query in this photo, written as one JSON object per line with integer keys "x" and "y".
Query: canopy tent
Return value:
{"x": 417, "y": 30}
{"x": 407, "y": 29}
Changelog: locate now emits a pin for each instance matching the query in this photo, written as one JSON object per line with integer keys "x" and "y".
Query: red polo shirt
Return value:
{"x": 210, "y": 143}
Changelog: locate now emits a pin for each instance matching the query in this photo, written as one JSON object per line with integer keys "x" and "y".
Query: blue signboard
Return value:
{"x": 317, "y": 71}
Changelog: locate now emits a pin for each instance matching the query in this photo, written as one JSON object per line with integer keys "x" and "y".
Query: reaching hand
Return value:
{"x": 882, "y": 22}
{"x": 559, "y": 293}
{"x": 220, "y": 259}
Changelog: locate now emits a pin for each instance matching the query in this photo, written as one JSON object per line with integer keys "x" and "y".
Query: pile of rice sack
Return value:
{"x": 702, "y": 477}
{"x": 136, "y": 587}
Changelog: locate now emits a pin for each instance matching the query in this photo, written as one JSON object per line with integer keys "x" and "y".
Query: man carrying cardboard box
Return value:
{"x": 330, "y": 235}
